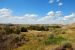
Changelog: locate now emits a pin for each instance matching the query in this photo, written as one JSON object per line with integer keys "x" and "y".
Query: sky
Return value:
{"x": 37, "y": 11}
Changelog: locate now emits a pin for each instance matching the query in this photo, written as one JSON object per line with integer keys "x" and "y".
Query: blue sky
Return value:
{"x": 39, "y": 7}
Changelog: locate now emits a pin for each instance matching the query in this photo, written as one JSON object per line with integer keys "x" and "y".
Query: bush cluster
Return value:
{"x": 23, "y": 29}
{"x": 12, "y": 38}
{"x": 39, "y": 28}
{"x": 52, "y": 39}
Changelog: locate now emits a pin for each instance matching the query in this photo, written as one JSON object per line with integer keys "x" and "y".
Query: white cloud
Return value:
{"x": 51, "y": 1}
{"x": 7, "y": 17}
{"x": 58, "y": 13}
{"x": 71, "y": 16}
{"x": 50, "y": 18}
{"x": 60, "y": 4}
{"x": 69, "y": 19}
{"x": 31, "y": 16}
{"x": 51, "y": 13}
{"x": 57, "y": 0}
{"x": 5, "y": 12}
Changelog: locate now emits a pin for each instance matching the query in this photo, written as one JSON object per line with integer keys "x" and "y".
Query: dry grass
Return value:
{"x": 36, "y": 39}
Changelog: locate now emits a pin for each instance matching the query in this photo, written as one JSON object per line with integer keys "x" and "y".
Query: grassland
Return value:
{"x": 37, "y": 37}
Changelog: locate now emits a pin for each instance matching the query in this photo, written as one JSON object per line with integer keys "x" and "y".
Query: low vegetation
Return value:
{"x": 36, "y": 37}
{"x": 54, "y": 40}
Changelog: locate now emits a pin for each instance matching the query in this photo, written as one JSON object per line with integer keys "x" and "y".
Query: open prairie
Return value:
{"x": 37, "y": 37}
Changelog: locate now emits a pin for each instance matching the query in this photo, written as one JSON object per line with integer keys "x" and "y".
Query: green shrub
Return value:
{"x": 54, "y": 40}
{"x": 23, "y": 29}
{"x": 39, "y": 28}
{"x": 67, "y": 45}
{"x": 43, "y": 28}
{"x": 7, "y": 29}
{"x": 55, "y": 26}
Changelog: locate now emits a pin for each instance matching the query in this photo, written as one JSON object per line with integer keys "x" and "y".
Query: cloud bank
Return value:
{"x": 50, "y": 18}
